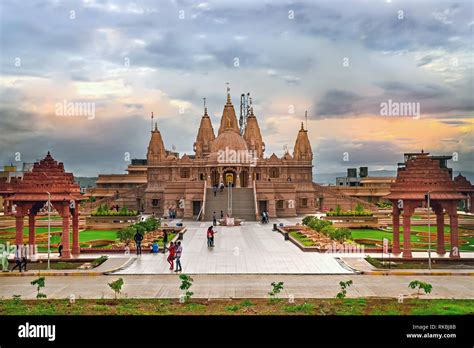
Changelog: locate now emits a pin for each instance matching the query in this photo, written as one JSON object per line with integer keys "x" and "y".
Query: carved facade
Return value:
{"x": 282, "y": 185}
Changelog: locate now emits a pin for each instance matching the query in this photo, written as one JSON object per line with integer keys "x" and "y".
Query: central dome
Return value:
{"x": 231, "y": 140}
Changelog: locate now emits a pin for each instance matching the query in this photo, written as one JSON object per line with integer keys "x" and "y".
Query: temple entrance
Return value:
{"x": 196, "y": 208}
{"x": 262, "y": 206}
{"x": 244, "y": 178}
{"x": 230, "y": 177}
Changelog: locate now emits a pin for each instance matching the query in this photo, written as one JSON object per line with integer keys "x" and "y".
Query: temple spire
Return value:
{"x": 228, "y": 94}
{"x": 302, "y": 149}
{"x": 205, "y": 137}
{"x": 205, "y": 107}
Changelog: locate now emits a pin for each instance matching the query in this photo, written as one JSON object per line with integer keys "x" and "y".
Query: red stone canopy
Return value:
{"x": 30, "y": 194}
{"x": 423, "y": 174}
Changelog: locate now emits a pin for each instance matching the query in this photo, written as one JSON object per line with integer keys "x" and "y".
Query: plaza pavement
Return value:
{"x": 252, "y": 248}
{"x": 238, "y": 286}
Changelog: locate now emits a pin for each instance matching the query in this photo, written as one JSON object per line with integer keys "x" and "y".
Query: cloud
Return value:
{"x": 134, "y": 58}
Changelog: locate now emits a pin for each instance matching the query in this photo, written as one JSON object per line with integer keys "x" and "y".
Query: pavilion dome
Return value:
{"x": 231, "y": 140}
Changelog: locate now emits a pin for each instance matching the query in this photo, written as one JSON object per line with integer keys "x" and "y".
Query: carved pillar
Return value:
{"x": 438, "y": 209}
{"x": 453, "y": 224}
{"x": 19, "y": 224}
{"x": 396, "y": 228}
{"x": 31, "y": 230}
{"x": 208, "y": 178}
{"x": 237, "y": 178}
{"x": 65, "y": 231}
{"x": 221, "y": 177}
{"x": 407, "y": 211}
{"x": 76, "y": 250}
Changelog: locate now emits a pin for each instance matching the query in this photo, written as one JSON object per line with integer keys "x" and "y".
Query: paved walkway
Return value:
{"x": 249, "y": 249}
{"x": 238, "y": 286}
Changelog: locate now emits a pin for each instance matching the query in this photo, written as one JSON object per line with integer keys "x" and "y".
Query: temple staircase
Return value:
{"x": 242, "y": 199}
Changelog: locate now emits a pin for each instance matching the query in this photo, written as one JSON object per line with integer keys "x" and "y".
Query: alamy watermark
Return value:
{"x": 82, "y": 109}
{"x": 237, "y": 156}
{"x": 393, "y": 108}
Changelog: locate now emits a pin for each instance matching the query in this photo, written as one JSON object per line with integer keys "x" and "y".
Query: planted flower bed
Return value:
{"x": 319, "y": 235}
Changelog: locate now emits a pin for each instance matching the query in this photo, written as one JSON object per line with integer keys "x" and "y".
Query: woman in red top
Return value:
{"x": 170, "y": 258}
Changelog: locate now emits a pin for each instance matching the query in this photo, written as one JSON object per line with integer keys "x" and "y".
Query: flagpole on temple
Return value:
{"x": 152, "y": 121}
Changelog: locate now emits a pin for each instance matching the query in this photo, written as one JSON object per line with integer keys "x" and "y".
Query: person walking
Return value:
{"x": 165, "y": 240}
{"x": 222, "y": 215}
{"x": 214, "y": 189}
{"x": 266, "y": 217}
{"x": 138, "y": 241}
{"x": 24, "y": 256}
{"x": 178, "y": 252}
{"x": 210, "y": 235}
{"x": 18, "y": 258}
{"x": 214, "y": 219}
{"x": 171, "y": 255}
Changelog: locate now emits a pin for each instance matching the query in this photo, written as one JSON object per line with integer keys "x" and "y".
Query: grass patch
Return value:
{"x": 303, "y": 307}
{"x": 124, "y": 306}
{"x": 300, "y": 237}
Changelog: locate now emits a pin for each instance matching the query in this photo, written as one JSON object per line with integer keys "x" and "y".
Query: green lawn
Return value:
{"x": 38, "y": 230}
{"x": 378, "y": 235}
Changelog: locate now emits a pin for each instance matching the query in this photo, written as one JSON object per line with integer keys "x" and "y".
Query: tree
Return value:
{"x": 40, "y": 283}
{"x": 421, "y": 285}
{"x": 344, "y": 286}
{"x": 186, "y": 283}
{"x": 116, "y": 286}
{"x": 342, "y": 234}
{"x": 125, "y": 235}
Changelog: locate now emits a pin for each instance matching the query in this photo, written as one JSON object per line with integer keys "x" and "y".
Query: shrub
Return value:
{"x": 40, "y": 283}
{"x": 186, "y": 283}
{"x": 421, "y": 285}
{"x": 342, "y": 234}
{"x": 116, "y": 286}
{"x": 344, "y": 286}
{"x": 277, "y": 288}
{"x": 125, "y": 235}
{"x": 140, "y": 229}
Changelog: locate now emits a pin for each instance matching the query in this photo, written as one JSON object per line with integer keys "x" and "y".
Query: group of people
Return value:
{"x": 219, "y": 188}
{"x": 214, "y": 218}
{"x": 265, "y": 218}
{"x": 172, "y": 214}
{"x": 175, "y": 250}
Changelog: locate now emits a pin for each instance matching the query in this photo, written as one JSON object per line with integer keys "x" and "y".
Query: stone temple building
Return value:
{"x": 166, "y": 181}
{"x": 253, "y": 181}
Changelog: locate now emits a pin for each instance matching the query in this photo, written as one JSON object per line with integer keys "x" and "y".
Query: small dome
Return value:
{"x": 231, "y": 140}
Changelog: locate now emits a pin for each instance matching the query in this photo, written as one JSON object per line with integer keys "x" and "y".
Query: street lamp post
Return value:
{"x": 429, "y": 230}
{"x": 49, "y": 229}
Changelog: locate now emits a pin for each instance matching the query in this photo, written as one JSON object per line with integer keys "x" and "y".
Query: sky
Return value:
{"x": 339, "y": 60}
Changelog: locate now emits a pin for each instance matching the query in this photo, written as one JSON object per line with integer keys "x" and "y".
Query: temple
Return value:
{"x": 236, "y": 158}
{"x": 166, "y": 181}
